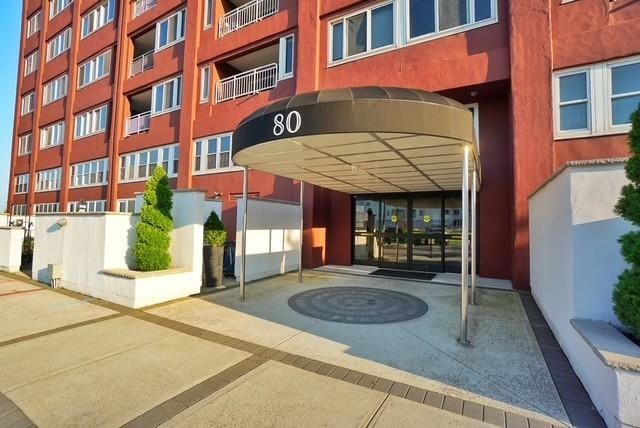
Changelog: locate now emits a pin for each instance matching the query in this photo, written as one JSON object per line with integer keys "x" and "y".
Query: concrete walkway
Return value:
{"x": 66, "y": 359}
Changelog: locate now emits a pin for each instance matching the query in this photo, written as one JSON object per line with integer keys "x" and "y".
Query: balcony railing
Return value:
{"x": 245, "y": 15}
{"x": 138, "y": 123}
{"x": 250, "y": 82}
{"x": 141, "y": 6}
{"x": 142, "y": 63}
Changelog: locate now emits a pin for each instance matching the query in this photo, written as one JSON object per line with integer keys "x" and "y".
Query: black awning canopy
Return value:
{"x": 361, "y": 140}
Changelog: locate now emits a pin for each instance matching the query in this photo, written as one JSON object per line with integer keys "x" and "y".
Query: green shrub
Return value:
{"x": 214, "y": 233}
{"x": 626, "y": 295}
{"x": 151, "y": 251}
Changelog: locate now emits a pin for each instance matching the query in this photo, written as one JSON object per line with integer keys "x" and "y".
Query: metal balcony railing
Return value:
{"x": 142, "y": 63}
{"x": 246, "y": 14}
{"x": 138, "y": 123}
{"x": 249, "y": 82}
{"x": 141, "y": 6}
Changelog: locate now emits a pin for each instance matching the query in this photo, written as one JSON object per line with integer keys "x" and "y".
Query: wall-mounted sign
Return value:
{"x": 394, "y": 218}
{"x": 291, "y": 123}
{"x": 426, "y": 219}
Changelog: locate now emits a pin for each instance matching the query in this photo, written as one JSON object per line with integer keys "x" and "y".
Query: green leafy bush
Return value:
{"x": 27, "y": 250}
{"x": 214, "y": 233}
{"x": 626, "y": 295}
{"x": 151, "y": 251}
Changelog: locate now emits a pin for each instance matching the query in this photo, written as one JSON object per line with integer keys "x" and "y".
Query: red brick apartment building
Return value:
{"x": 109, "y": 88}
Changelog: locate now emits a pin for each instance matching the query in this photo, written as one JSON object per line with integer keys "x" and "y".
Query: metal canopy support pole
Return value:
{"x": 301, "y": 232}
{"x": 464, "y": 298}
{"x": 243, "y": 254}
{"x": 474, "y": 233}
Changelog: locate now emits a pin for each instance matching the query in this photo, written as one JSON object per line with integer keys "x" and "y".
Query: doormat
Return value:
{"x": 404, "y": 274}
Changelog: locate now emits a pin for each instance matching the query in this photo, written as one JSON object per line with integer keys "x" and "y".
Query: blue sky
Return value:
{"x": 10, "y": 16}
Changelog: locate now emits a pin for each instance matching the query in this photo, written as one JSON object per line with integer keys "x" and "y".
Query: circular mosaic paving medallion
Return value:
{"x": 358, "y": 305}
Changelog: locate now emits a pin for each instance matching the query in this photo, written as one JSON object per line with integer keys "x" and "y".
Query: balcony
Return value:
{"x": 246, "y": 14}
{"x": 140, "y": 113}
{"x": 142, "y": 6}
{"x": 247, "y": 83}
{"x": 143, "y": 52}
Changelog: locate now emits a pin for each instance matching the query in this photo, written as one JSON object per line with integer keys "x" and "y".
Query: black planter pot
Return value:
{"x": 212, "y": 262}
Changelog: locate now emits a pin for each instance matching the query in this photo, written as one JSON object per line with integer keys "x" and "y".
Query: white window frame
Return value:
{"x": 55, "y": 89}
{"x": 202, "y": 161}
{"x": 91, "y": 122}
{"x": 345, "y": 39}
{"x": 57, "y": 6}
{"x": 205, "y": 83}
{"x": 48, "y": 180}
{"x": 25, "y": 144}
{"x": 92, "y": 69}
{"x": 208, "y": 14}
{"x": 52, "y": 135}
{"x": 599, "y": 91}
{"x": 87, "y": 174}
{"x": 19, "y": 209}
{"x": 47, "y": 207}
{"x": 59, "y": 44}
{"x": 94, "y": 206}
{"x": 127, "y": 205}
{"x": 21, "y": 184}
{"x": 34, "y": 23}
{"x": 31, "y": 62}
{"x": 130, "y": 163}
{"x": 282, "y": 59}
{"x": 28, "y": 103}
{"x": 176, "y": 96}
{"x": 98, "y": 17}
{"x": 180, "y": 31}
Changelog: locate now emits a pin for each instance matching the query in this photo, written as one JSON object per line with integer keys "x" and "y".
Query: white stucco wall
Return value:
{"x": 273, "y": 233}
{"x": 11, "y": 248}
{"x": 575, "y": 261}
{"x": 90, "y": 244}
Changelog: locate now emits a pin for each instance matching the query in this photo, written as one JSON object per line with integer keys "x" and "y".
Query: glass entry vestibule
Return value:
{"x": 409, "y": 231}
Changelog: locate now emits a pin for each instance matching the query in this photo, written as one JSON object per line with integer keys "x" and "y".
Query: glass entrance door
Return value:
{"x": 419, "y": 232}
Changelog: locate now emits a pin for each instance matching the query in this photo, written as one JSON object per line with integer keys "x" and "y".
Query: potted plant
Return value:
{"x": 215, "y": 238}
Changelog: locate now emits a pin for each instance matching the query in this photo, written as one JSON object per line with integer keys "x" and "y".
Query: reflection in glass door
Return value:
{"x": 452, "y": 233}
{"x": 395, "y": 233}
{"x": 426, "y": 234}
{"x": 366, "y": 231}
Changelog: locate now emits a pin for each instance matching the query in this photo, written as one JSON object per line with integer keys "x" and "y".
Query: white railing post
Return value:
{"x": 246, "y": 83}
{"x": 139, "y": 123}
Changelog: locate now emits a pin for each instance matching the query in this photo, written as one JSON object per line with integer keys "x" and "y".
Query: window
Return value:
{"x": 286, "y": 57}
{"x": 208, "y": 13}
{"x": 34, "y": 23}
{"x": 19, "y": 209}
{"x": 58, "y": 6}
{"x": 432, "y": 17}
{"x": 597, "y": 99}
{"x": 98, "y": 17}
{"x": 52, "y": 135}
{"x": 88, "y": 206}
{"x": 126, "y": 205}
{"x": 167, "y": 95}
{"x": 170, "y": 30}
{"x": 212, "y": 153}
{"x": 31, "y": 63}
{"x": 94, "y": 69}
{"x": 205, "y": 83}
{"x": 21, "y": 183}
{"x": 59, "y": 44}
{"x": 93, "y": 173}
{"x": 25, "y": 142}
{"x": 28, "y": 103}
{"x": 140, "y": 165}
{"x": 91, "y": 122}
{"x": 50, "y": 207}
{"x": 55, "y": 90}
{"x": 48, "y": 180}
{"x": 363, "y": 31}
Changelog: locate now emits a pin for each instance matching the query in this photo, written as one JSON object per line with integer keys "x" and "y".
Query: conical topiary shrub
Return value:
{"x": 151, "y": 251}
{"x": 626, "y": 295}
{"x": 213, "y": 252}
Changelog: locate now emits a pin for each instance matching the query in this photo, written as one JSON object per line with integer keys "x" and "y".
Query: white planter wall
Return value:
{"x": 575, "y": 261}
{"x": 11, "y": 248}
{"x": 273, "y": 235}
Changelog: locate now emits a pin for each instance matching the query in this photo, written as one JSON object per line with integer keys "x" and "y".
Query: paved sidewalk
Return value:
{"x": 66, "y": 359}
